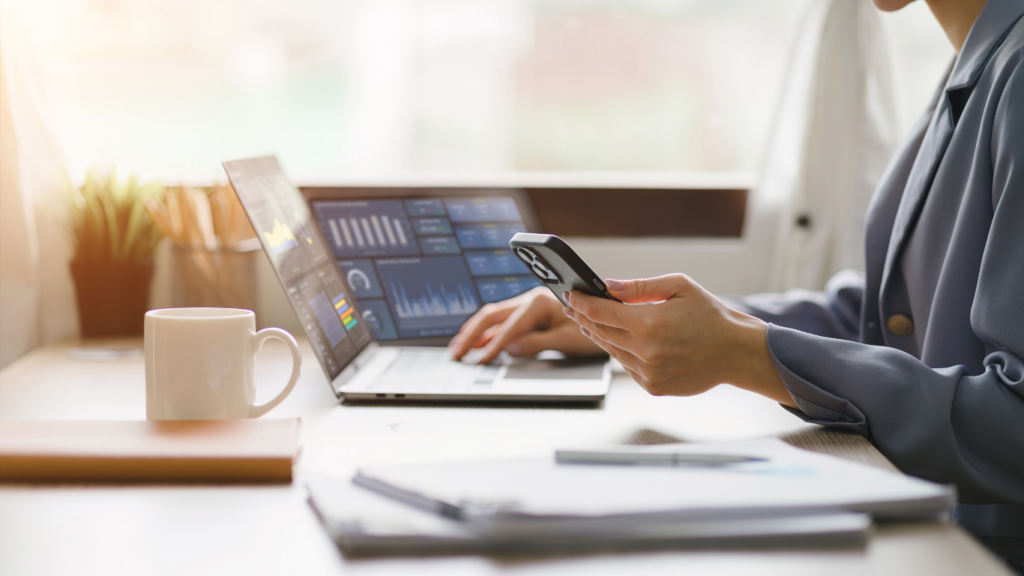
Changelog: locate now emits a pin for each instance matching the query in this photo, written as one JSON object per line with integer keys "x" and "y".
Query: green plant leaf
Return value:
{"x": 108, "y": 221}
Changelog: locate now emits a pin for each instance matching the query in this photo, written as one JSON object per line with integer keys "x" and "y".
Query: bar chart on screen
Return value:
{"x": 329, "y": 320}
{"x": 433, "y": 301}
{"x": 428, "y": 296}
{"x": 377, "y": 228}
{"x": 344, "y": 310}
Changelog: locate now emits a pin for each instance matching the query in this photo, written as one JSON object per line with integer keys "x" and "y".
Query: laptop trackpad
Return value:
{"x": 562, "y": 369}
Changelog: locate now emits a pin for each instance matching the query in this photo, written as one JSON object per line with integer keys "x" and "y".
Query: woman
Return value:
{"x": 924, "y": 355}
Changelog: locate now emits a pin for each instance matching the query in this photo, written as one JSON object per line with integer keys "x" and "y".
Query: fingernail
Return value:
{"x": 614, "y": 284}
{"x": 585, "y": 331}
{"x": 514, "y": 349}
{"x": 565, "y": 296}
{"x": 568, "y": 312}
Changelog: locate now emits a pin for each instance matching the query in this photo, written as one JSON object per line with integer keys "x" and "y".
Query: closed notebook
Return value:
{"x": 149, "y": 451}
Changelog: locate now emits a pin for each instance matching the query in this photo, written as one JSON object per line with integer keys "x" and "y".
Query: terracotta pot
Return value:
{"x": 113, "y": 297}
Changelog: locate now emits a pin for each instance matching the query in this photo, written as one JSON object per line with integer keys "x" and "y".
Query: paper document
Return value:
{"x": 541, "y": 495}
{"x": 363, "y": 522}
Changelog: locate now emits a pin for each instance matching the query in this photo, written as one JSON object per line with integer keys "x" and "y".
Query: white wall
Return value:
{"x": 716, "y": 263}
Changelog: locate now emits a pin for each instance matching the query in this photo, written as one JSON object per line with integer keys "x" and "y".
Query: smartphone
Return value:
{"x": 557, "y": 265}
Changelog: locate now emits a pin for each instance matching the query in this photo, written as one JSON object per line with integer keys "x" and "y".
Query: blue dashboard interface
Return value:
{"x": 420, "y": 267}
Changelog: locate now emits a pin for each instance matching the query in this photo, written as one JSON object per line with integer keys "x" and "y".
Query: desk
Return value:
{"x": 271, "y": 530}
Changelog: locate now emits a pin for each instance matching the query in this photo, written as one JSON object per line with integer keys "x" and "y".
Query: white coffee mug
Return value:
{"x": 200, "y": 364}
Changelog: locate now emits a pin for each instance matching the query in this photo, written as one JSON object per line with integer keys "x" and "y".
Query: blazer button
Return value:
{"x": 900, "y": 325}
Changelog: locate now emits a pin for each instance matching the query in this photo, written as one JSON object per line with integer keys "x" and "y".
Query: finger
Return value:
{"x": 617, "y": 336}
{"x": 522, "y": 320}
{"x": 632, "y": 374}
{"x": 562, "y": 338}
{"x": 486, "y": 316}
{"x": 628, "y": 360}
{"x": 533, "y": 343}
{"x": 630, "y": 363}
{"x": 600, "y": 310}
{"x": 487, "y": 336}
{"x": 475, "y": 327}
{"x": 649, "y": 289}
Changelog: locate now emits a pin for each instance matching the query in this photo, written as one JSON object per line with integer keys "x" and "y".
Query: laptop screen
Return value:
{"x": 303, "y": 262}
{"x": 421, "y": 265}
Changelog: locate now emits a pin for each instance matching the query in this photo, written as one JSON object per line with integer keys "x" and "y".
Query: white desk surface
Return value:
{"x": 271, "y": 530}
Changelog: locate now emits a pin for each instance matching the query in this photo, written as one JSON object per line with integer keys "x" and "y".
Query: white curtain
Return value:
{"x": 36, "y": 294}
{"x": 834, "y": 133}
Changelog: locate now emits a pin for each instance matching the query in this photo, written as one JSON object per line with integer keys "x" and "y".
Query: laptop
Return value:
{"x": 381, "y": 279}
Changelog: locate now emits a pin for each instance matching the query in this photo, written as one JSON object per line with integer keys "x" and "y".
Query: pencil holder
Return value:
{"x": 223, "y": 277}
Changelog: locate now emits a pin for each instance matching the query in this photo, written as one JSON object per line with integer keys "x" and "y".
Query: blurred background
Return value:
{"x": 342, "y": 88}
{"x": 795, "y": 105}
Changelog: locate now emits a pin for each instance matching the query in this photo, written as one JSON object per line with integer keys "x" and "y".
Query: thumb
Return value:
{"x": 649, "y": 289}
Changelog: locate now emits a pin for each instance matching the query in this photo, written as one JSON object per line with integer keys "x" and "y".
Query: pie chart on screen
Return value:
{"x": 358, "y": 280}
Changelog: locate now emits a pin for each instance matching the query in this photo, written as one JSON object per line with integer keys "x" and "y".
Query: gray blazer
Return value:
{"x": 925, "y": 355}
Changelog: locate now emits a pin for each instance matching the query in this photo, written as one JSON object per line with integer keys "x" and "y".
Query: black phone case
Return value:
{"x": 557, "y": 265}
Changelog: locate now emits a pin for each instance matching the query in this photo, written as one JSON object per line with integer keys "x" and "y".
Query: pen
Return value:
{"x": 650, "y": 458}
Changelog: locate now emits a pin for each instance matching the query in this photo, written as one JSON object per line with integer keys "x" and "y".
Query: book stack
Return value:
{"x": 757, "y": 493}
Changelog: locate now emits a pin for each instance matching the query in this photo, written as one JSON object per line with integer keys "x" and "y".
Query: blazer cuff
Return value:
{"x": 789, "y": 350}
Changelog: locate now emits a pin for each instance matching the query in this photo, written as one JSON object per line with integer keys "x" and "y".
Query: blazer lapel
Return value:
{"x": 933, "y": 147}
{"x": 993, "y": 24}
{"x": 995, "y": 21}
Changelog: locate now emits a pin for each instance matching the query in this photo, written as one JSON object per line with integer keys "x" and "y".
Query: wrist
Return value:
{"x": 756, "y": 370}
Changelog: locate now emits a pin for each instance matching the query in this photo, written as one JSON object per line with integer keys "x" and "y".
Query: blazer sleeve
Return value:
{"x": 834, "y": 312}
{"x": 942, "y": 424}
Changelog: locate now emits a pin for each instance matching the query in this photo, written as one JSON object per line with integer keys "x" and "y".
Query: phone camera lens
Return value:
{"x": 526, "y": 255}
{"x": 545, "y": 273}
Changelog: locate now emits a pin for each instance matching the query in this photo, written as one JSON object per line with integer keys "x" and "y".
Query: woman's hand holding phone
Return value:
{"x": 523, "y": 326}
{"x": 685, "y": 342}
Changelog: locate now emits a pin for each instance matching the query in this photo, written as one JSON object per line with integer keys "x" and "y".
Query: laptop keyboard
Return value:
{"x": 415, "y": 370}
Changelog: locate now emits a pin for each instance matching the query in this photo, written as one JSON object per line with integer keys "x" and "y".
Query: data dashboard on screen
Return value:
{"x": 420, "y": 267}
{"x": 304, "y": 264}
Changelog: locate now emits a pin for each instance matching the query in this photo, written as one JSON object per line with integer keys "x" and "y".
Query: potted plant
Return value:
{"x": 114, "y": 241}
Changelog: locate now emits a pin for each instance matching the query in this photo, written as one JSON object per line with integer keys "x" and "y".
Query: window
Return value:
{"x": 347, "y": 88}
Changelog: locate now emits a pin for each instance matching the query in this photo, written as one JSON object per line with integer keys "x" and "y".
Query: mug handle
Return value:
{"x": 257, "y": 343}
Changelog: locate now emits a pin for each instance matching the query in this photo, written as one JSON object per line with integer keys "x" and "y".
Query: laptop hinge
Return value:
{"x": 353, "y": 368}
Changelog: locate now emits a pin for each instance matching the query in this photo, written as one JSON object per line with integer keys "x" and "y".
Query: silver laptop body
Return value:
{"x": 382, "y": 278}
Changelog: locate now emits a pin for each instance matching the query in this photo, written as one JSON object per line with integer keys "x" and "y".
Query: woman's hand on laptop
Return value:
{"x": 685, "y": 343}
{"x": 523, "y": 326}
